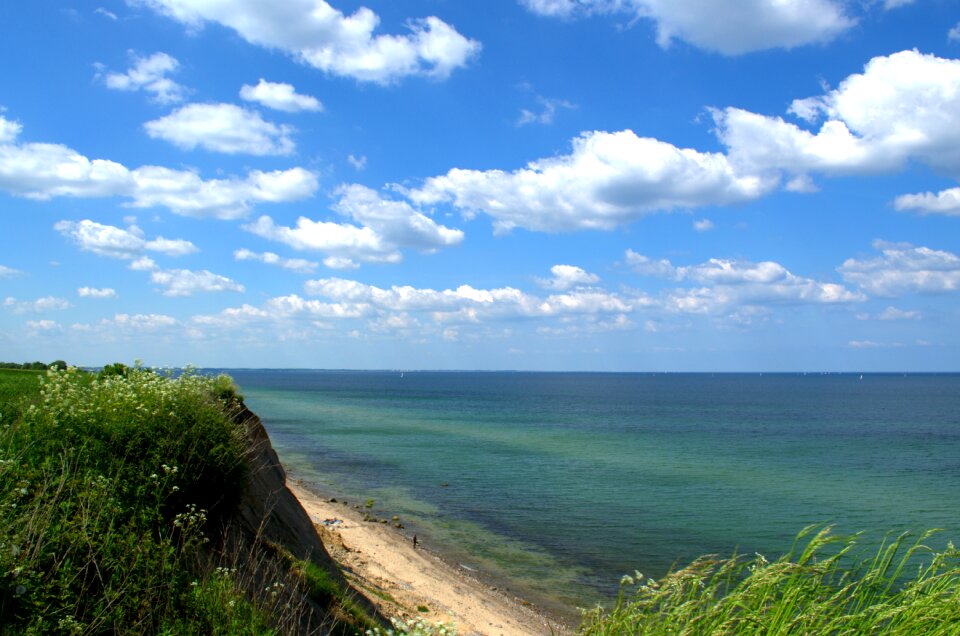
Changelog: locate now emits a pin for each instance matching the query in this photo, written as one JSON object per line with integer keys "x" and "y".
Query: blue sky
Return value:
{"x": 644, "y": 185}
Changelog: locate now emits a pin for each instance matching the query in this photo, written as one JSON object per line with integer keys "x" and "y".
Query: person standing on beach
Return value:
{"x": 414, "y": 542}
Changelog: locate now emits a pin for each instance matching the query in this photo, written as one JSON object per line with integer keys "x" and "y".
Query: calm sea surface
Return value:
{"x": 563, "y": 482}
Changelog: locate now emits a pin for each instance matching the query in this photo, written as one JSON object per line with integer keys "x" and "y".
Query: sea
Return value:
{"x": 555, "y": 485}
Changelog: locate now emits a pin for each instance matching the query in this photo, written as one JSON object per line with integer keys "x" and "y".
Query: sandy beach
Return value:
{"x": 381, "y": 561}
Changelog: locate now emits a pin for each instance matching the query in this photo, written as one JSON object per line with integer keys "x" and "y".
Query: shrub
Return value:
{"x": 109, "y": 488}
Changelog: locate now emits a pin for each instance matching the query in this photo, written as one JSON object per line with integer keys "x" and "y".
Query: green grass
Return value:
{"x": 905, "y": 588}
{"x": 114, "y": 493}
{"x": 109, "y": 491}
{"x": 17, "y": 389}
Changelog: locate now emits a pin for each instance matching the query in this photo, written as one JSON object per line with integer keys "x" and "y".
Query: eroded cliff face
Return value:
{"x": 269, "y": 527}
{"x": 267, "y": 508}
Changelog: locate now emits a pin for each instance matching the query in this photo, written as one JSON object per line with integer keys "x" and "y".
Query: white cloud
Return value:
{"x": 738, "y": 287}
{"x": 892, "y": 313}
{"x": 945, "y": 202}
{"x": 904, "y": 269}
{"x": 9, "y": 272}
{"x": 385, "y": 227}
{"x": 865, "y": 344}
{"x": 115, "y": 242}
{"x": 93, "y": 292}
{"x": 187, "y": 194}
{"x": 607, "y": 180}
{"x": 731, "y": 27}
{"x": 298, "y": 265}
{"x": 149, "y": 74}
{"x": 896, "y": 4}
{"x": 279, "y": 96}
{"x": 225, "y": 128}
{"x": 315, "y": 33}
{"x": 129, "y": 324}
{"x": 567, "y": 276}
{"x": 43, "y": 171}
{"x": 9, "y": 130}
{"x": 44, "y": 326}
{"x": 954, "y": 34}
{"x": 184, "y": 282}
{"x": 143, "y": 264}
{"x": 107, "y": 14}
{"x": 646, "y": 266}
{"x": 347, "y": 242}
{"x": 40, "y": 305}
{"x": 396, "y": 221}
{"x": 703, "y": 225}
{"x": 358, "y": 163}
{"x": 802, "y": 184}
{"x": 903, "y": 106}
{"x": 547, "y": 112}
{"x": 467, "y": 304}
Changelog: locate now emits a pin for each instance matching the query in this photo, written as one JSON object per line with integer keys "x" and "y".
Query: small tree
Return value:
{"x": 117, "y": 368}
{"x": 59, "y": 365}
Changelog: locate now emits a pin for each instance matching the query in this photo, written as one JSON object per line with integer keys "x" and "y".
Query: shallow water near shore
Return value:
{"x": 560, "y": 483}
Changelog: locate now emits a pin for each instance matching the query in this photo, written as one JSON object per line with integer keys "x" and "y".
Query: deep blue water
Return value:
{"x": 563, "y": 482}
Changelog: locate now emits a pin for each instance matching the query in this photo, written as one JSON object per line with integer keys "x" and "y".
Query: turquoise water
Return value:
{"x": 563, "y": 482}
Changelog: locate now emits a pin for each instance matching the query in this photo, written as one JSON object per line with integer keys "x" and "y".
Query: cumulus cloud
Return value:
{"x": 149, "y": 74}
{"x": 43, "y": 171}
{"x": 903, "y": 269}
{"x": 184, "y": 282}
{"x": 703, "y": 225}
{"x": 38, "y": 306}
{"x": 93, "y": 292}
{"x": 279, "y": 96}
{"x": 36, "y": 327}
{"x": 9, "y": 272}
{"x": 738, "y": 286}
{"x": 745, "y": 25}
{"x": 467, "y": 304}
{"x": 225, "y": 128}
{"x": 115, "y": 242}
{"x": 129, "y": 325}
{"x": 317, "y": 34}
{"x": 384, "y": 227}
{"x": 143, "y": 264}
{"x": 298, "y": 265}
{"x": 566, "y": 277}
{"x": 946, "y": 202}
{"x": 185, "y": 193}
{"x": 9, "y": 130}
{"x": 903, "y": 106}
{"x": 607, "y": 180}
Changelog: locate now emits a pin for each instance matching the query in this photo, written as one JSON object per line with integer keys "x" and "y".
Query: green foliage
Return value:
{"x": 109, "y": 489}
{"x": 821, "y": 590}
{"x": 115, "y": 369}
{"x": 414, "y": 627}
